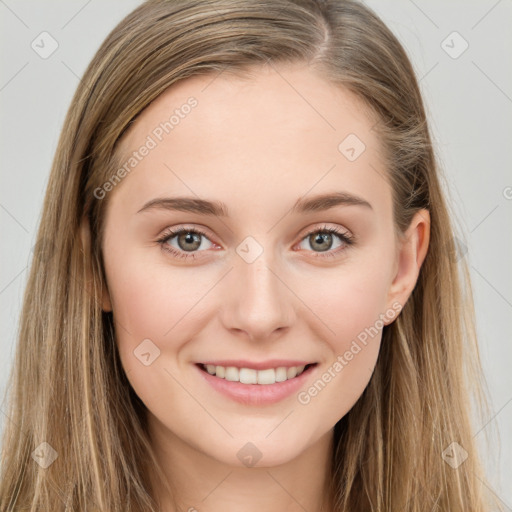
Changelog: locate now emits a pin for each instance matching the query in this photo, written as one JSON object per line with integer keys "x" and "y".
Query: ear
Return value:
{"x": 85, "y": 235}
{"x": 410, "y": 256}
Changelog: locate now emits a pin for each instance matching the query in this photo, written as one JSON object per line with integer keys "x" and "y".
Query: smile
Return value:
{"x": 261, "y": 386}
{"x": 253, "y": 376}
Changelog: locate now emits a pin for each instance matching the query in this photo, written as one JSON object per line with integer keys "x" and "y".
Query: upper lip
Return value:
{"x": 257, "y": 365}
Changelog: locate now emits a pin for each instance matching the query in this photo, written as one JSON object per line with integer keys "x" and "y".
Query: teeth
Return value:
{"x": 248, "y": 376}
{"x": 251, "y": 376}
{"x": 232, "y": 373}
{"x": 269, "y": 376}
{"x": 291, "y": 372}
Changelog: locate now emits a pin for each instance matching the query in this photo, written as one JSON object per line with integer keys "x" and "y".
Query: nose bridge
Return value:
{"x": 259, "y": 302}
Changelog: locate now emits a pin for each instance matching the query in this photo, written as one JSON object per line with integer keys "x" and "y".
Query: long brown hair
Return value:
{"x": 68, "y": 388}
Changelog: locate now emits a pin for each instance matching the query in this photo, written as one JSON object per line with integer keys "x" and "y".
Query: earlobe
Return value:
{"x": 410, "y": 257}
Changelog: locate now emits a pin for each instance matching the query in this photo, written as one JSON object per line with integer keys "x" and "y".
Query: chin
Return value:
{"x": 260, "y": 451}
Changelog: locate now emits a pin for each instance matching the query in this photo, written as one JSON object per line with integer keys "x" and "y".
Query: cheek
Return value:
{"x": 156, "y": 311}
{"x": 352, "y": 304}
{"x": 348, "y": 302}
{"x": 152, "y": 301}
{"x": 149, "y": 295}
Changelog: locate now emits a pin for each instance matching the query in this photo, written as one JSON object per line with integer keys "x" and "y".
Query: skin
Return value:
{"x": 258, "y": 146}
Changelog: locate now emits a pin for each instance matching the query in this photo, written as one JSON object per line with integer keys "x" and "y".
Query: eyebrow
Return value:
{"x": 219, "y": 209}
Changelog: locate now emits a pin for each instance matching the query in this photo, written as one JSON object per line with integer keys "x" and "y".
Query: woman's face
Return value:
{"x": 254, "y": 280}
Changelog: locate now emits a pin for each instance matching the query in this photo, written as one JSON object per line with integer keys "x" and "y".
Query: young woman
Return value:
{"x": 246, "y": 293}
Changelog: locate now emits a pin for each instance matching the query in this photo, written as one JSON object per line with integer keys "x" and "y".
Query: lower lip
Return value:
{"x": 257, "y": 394}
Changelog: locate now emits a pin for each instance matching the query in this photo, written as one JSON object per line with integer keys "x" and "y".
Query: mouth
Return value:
{"x": 251, "y": 376}
{"x": 257, "y": 384}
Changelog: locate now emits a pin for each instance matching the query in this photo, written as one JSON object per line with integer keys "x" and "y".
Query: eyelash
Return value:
{"x": 347, "y": 239}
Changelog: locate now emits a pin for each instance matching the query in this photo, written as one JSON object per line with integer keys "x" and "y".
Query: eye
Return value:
{"x": 322, "y": 240}
{"x": 188, "y": 240}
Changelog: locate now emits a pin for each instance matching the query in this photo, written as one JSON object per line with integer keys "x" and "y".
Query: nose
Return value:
{"x": 259, "y": 303}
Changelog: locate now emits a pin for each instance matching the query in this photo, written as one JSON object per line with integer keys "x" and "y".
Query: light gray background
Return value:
{"x": 468, "y": 100}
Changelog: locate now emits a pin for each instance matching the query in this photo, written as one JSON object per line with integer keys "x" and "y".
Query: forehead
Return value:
{"x": 277, "y": 129}
{"x": 266, "y": 96}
